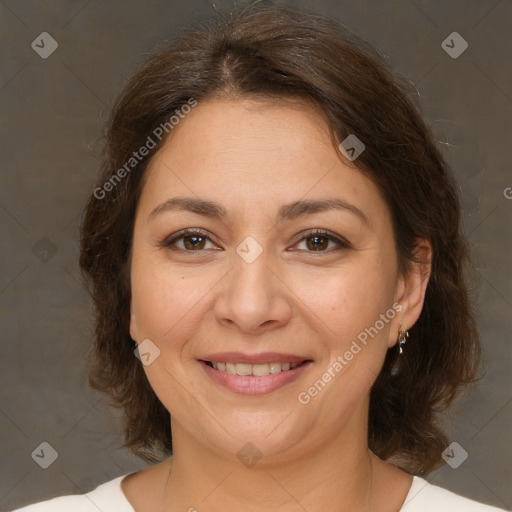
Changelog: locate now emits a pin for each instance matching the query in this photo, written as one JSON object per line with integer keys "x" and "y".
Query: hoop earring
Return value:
{"x": 403, "y": 334}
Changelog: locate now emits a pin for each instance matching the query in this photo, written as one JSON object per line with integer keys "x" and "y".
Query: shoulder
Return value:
{"x": 425, "y": 497}
{"x": 108, "y": 496}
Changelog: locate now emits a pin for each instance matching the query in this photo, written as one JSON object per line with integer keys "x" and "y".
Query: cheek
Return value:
{"x": 164, "y": 300}
{"x": 347, "y": 300}
{"x": 168, "y": 308}
{"x": 349, "y": 304}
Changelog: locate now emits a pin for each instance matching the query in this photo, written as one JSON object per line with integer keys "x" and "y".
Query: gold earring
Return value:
{"x": 402, "y": 338}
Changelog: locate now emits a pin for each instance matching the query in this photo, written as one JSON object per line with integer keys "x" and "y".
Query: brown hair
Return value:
{"x": 278, "y": 53}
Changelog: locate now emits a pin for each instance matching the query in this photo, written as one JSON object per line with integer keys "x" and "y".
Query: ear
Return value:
{"x": 133, "y": 323}
{"x": 411, "y": 289}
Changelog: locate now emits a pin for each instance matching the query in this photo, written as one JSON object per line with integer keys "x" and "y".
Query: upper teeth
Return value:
{"x": 254, "y": 369}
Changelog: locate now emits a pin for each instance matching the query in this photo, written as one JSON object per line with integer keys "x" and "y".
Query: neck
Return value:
{"x": 336, "y": 475}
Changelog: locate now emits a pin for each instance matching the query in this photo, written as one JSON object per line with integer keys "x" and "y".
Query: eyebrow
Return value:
{"x": 286, "y": 212}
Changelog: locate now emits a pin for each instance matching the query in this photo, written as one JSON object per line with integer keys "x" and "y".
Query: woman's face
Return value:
{"x": 256, "y": 286}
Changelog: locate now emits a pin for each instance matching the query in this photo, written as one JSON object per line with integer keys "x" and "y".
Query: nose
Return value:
{"x": 252, "y": 298}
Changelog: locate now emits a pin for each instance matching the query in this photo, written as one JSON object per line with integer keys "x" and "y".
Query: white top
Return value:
{"x": 109, "y": 497}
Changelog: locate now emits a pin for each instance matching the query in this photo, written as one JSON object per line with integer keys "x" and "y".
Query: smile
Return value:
{"x": 252, "y": 375}
{"x": 258, "y": 370}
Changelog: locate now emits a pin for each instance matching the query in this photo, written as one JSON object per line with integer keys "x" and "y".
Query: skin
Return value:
{"x": 251, "y": 158}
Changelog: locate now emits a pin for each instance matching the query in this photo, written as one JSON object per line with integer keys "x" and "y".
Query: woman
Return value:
{"x": 276, "y": 230}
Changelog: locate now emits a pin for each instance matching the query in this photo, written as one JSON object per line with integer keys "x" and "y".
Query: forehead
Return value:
{"x": 256, "y": 154}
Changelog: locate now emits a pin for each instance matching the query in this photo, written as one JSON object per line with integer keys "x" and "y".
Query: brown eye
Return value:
{"x": 321, "y": 241}
{"x": 189, "y": 241}
{"x": 317, "y": 243}
{"x": 194, "y": 242}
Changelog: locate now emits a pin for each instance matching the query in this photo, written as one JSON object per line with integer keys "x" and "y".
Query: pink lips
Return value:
{"x": 251, "y": 385}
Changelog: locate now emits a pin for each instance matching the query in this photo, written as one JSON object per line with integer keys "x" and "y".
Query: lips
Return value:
{"x": 255, "y": 374}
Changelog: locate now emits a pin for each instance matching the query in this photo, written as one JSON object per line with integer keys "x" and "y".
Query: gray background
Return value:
{"x": 52, "y": 111}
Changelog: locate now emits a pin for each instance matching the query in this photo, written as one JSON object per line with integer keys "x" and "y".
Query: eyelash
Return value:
{"x": 168, "y": 242}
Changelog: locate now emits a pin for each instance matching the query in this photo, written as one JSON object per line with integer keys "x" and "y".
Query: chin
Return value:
{"x": 268, "y": 442}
